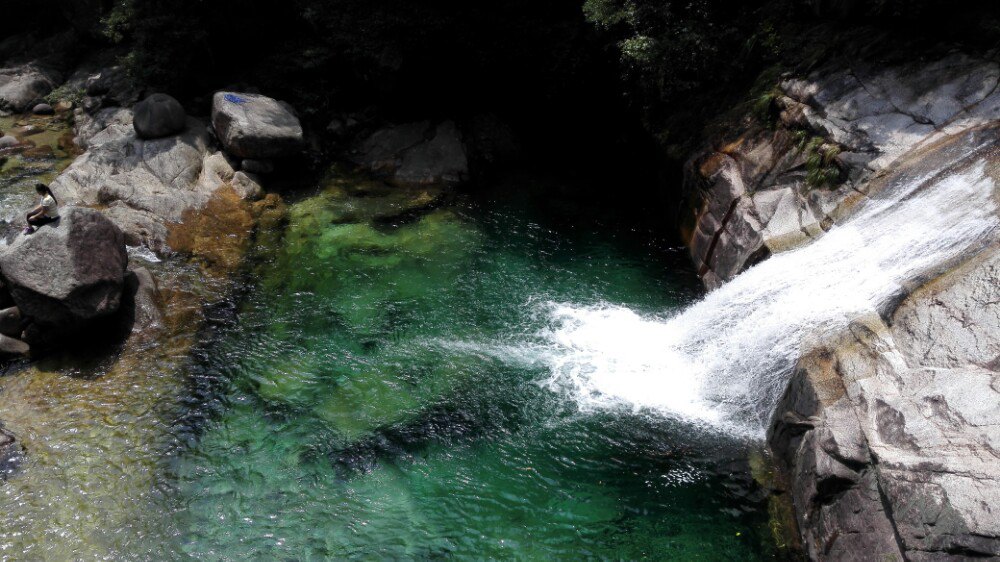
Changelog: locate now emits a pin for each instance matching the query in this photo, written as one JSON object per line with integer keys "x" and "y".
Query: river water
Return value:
{"x": 384, "y": 382}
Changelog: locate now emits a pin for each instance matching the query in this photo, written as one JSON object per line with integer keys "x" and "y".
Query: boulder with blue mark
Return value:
{"x": 255, "y": 127}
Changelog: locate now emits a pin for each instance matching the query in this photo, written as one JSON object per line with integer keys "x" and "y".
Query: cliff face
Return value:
{"x": 776, "y": 187}
{"x": 889, "y": 432}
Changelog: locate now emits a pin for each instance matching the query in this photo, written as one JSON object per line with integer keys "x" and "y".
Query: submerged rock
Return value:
{"x": 333, "y": 257}
{"x": 159, "y": 115}
{"x": 255, "y": 126}
{"x": 415, "y": 154}
{"x": 140, "y": 304}
{"x": 11, "y": 454}
{"x": 68, "y": 272}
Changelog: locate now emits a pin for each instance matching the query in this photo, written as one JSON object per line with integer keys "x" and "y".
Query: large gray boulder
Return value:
{"x": 68, "y": 272}
{"x": 144, "y": 185}
{"x": 21, "y": 88}
{"x": 255, "y": 126}
{"x": 87, "y": 125}
{"x": 159, "y": 115}
{"x": 415, "y": 154}
{"x": 889, "y": 432}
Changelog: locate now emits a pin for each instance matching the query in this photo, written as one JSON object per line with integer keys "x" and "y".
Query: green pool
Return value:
{"x": 380, "y": 397}
{"x": 377, "y": 389}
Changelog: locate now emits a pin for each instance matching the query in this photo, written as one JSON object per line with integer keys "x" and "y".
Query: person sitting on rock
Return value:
{"x": 45, "y": 212}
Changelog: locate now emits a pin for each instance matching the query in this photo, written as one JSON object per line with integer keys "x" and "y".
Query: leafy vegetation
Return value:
{"x": 66, "y": 92}
{"x": 563, "y": 66}
{"x": 686, "y": 63}
{"x": 821, "y": 166}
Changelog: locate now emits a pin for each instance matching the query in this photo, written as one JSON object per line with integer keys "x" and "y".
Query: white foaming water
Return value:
{"x": 725, "y": 360}
{"x": 143, "y": 253}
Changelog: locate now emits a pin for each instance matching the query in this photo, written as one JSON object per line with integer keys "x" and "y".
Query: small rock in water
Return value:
{"x": 257, "y": 166}
{"x": 11, "y": 453}
{"x": 247, "y": 186}
{"x": 64, "y": 106}
{"x": 43, "y": 109}
{"x": 8, "y": 141}
{"x": 12, "y": 346}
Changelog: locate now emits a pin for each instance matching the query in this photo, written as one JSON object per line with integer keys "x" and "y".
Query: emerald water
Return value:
{"x": 381, "y": 396}
{"x": 379, "y": 386}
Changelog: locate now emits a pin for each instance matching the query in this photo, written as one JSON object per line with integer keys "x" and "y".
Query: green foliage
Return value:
{"x": 115, "y": 26}
{"x": 682, "y": 60}
{"x": 66, "y": 92}
{"x": 640, "y": 49}
{"x": 821, "y": 167}
{"x": 762, "y": 106}
{"x": 607, "y": 13}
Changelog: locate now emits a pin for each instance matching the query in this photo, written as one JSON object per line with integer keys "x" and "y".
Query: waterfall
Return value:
{"x": 725, "y": 360}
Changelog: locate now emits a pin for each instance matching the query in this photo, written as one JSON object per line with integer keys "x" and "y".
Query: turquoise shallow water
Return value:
{"x": 378, "y": 396}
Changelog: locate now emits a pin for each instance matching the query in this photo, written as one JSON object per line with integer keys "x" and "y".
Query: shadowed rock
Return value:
{"x": 159, "y": 115}
{"x": 68, "y": 272}
{"x": 415, "y": 154}
{"x": 11, "y": 321}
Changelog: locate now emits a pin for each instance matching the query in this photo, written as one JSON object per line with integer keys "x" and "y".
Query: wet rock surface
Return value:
{"x": 773, "y": 189}
{"x": 890, "y": 431}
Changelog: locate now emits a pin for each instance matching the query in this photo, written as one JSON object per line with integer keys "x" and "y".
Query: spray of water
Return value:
{"x": 725, "y": 360}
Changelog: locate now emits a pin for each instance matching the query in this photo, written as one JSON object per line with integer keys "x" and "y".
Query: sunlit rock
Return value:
{"x": 774, "y": 189}
{"x": 68, "y": 272}
{"x": 255, "y": 126}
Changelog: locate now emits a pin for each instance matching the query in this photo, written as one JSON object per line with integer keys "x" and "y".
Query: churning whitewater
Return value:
{"x": 725, "y": 361}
